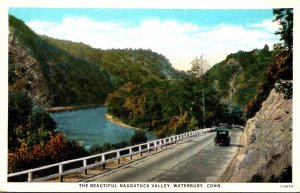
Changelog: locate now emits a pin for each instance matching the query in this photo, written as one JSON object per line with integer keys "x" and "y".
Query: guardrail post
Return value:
{"x": 29, "y": 176}
{"x": 160, "y": 144}
{"x": 103, "y": 160}
{"x": 61, "y": 170}
{"x": 148, "y": 147}
{"x": 84, "y": 165}
{"x": 118, "y": 155}
{"x": 140, "y": 149}
{"x": 130, "y": 152}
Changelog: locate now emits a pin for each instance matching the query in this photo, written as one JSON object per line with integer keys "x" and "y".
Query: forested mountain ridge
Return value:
{"x": 124, "y": 65}
{"x": 52, "y": 76}
{"x": 236, "y": 78}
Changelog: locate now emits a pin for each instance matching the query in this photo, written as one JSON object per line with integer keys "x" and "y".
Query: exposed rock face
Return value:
{"x": 266, "y": 143}
{"x": 28, "y": 71}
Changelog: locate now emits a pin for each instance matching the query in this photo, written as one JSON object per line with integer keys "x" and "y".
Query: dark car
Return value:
{"x": 222, "y": 136}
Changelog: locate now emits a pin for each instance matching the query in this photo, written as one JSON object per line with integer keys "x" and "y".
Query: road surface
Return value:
{"x": 198, "y": 160}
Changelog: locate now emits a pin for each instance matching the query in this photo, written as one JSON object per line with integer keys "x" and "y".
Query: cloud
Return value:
{"x": 268, "y": 25}
{"x": 180, "y": 42}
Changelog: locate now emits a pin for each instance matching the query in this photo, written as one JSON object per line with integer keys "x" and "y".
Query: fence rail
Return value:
{"x": 114, "y": 154}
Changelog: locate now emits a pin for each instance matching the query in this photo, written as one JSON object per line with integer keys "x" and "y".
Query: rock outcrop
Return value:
{"x": 27, "y": 70}
{"x": 266, "y": 143}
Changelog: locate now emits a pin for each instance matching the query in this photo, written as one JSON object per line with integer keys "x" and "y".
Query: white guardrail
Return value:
{"x": 116, "y": 155}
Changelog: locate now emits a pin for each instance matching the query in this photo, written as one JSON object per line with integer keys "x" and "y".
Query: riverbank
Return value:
{"x": 117, "y": 121}
{"x": 71, "y": 108}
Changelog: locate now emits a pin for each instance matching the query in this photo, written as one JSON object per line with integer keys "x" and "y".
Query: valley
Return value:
{"x": 53, "y": 83}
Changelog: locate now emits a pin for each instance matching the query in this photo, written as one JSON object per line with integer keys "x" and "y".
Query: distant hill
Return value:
{"x": 124, "y": 65}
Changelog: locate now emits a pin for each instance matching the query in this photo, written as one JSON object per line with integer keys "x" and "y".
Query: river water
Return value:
{"x": 90, "y": 126}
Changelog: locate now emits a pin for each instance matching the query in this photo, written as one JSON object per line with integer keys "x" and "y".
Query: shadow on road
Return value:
{"x": 236, "y": 145}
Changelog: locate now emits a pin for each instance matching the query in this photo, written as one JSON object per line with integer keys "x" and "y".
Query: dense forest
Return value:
{"x": 140, "y": 87}
{"x": 124, "y": 65}
{"x": 169, "y": 107}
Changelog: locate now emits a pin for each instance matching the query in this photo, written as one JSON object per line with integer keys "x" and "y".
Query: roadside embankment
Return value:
{"x": 266, "y": 143}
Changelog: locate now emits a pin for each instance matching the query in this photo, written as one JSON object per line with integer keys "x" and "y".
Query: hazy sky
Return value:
{"x": 180, "y": 35}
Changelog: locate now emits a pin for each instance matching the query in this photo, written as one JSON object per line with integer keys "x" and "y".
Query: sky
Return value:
{"x": 179, "y": 34}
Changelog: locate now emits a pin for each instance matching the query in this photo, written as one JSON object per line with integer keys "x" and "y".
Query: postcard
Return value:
{"x": 149, "y": 96}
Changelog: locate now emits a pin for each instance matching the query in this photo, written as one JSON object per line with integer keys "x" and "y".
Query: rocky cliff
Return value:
{"x": 26, "y": 71}
{"x": 266, "y": 144}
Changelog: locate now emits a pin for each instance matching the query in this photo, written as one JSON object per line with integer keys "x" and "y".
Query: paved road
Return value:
{"x": 194, "y": 161}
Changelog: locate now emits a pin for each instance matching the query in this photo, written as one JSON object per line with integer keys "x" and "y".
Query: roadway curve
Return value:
{"x": 198, "y": 160}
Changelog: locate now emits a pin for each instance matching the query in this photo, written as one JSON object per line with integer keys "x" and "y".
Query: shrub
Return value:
{"x": 284, "y": 87}
{"x": 281, "y": 66}
{"x": 57, "y": 149}
{"x": 138, "y": 137}
{"x": 96, "y": 149}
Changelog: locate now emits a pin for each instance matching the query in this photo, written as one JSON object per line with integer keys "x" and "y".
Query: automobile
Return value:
{"x": 222, "y": 136}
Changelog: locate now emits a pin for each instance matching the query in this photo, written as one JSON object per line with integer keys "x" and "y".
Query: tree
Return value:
{"x": 19, "y": 109}
{"x": 199, "y": 67}
{"x": 197, "y": 71}
{"x": 285, "y": 19}
{"x": 266, "y": 48}
{"x": 40, "y": 119}
{"x": 138, "y": 137}
{"x": 281, "y": 66}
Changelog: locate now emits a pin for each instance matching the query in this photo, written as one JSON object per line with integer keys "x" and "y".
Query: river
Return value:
{"x": 90, "y": 126}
